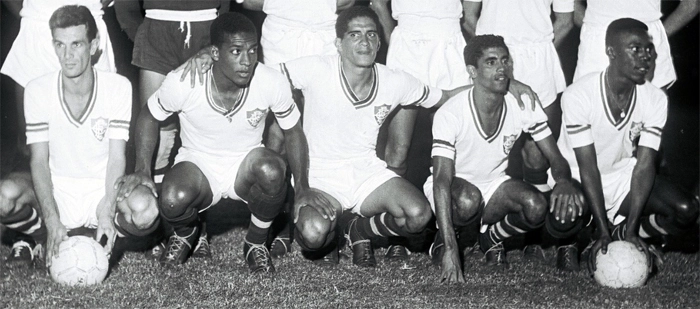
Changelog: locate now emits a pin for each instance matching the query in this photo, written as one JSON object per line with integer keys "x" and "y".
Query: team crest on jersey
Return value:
{"x": 255, "y": 116}
{"x": 99, "y": 127}
{"x": 508, "y": 142}
{"x": 381, "y": 112}
{"x": 635, "y": 130}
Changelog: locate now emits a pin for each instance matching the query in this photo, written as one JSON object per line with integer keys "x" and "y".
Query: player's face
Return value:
{"x": 238, "y": 57}
{"x": 73, "y": 49}
{"x": 493, "y": 69}
{"x": 632, "y": 55}
{"x": 360, "y": 43}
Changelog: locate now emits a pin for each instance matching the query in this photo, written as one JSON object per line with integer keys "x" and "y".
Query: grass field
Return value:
{"x": 224, "y": 282}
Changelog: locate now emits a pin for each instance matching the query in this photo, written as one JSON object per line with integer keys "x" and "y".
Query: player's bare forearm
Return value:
{"x": 471, "y": 16}
{"x": 681, "y": 16}
{"x": 563, "y": 23}
{"x": 560, "y": 168}
{"x": 381, "y": 7}
{"x": 642, "y": 181}
{"x": 592, "y": 186}
{"x": 442, "y": 182}
{"x": 298, "y": 155}
{"x": 579, "y": 12}
{"x": 116, "y": 165}
{"x": 344, "y": 4}
{"x": 254, "y": 5}
{"x": 146, "y": 139}
{"x": 43, "y": 185}
{"x": 129, "y": 16}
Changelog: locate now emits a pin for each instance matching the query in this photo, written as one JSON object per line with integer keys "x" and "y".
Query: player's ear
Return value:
{"x": 94, "y": 45}
{"x": 214, "y": 53}
{"x": 471, "y": 70}
{"x": 610, "y": 51}
{"x": 338, "y": 44}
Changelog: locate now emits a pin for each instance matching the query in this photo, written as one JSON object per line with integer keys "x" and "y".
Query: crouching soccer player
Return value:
{"x": 222, "y": 155}
{"x": 77, "y": 128}
{"x": 473, "y": 134}
{"x": 612, "y": 128}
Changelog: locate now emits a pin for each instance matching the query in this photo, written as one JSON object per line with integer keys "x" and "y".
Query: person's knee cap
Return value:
{"x": 131, "y": 229}
{"x": 311, "y": 235}
{"x": 271, "y": 171}
{"x": 535, "y": 209}
{"x": 688, "y": 211}
{"x": 563, "y": 230}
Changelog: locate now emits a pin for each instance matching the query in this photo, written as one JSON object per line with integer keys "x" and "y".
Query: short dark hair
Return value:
{"x": 623, "y": 26}
{"x": 228, "y": 24}
{"x": 74, "y": 15}
{"x": 344, "y": 18}
{"x": 477, "y": 45}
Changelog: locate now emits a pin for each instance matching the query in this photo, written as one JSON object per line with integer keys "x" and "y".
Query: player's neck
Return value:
{"x": 617, "y": 84}
{"x": 79, "y": 85}
{"x": 488, "y": 103}
{"x": 357, "y": 76}
{"x": 223, "y": 83}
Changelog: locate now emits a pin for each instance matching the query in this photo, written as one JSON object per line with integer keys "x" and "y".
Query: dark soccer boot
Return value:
{"x": 156, "y": 251}
{"x": 21, "y": 254}
{"x": 202, "y": 249}
{"x": 567, "y": 258}
{"x": 494, "y": 253}
{"x": 332, "y": 258}
{"x": 177, "y": 249}
{"x": 437, "y": 249}
{"x": 362, "y": 252}
{"x": 534, "y": 253}
{"x": 396, "y": 253}
{"x": 258, "y": 258}
{"x": 280, "y": 246}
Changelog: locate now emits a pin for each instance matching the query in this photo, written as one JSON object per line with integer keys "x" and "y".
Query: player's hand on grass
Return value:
{"x": 105, "y": 225}
{"x": 451, "y": 270}
{"x": 601, "y": 244}
{"x": 55, "y": 235}
{"x": 566, "y": 202}
{"x": 519, "y": 89}
{"x": 316, "y": 200}
{"x": 196, "y": 66}
{"x": 127, "y": 183}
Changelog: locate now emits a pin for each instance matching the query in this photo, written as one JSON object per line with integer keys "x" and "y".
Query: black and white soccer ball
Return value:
{"x": 623, "y": 266}
{"x": 81, "y": 261}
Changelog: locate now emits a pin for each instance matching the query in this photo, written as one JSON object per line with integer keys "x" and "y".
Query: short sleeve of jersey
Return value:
{"x": 168, "y": 99}
{"x": 654, "y": 121}
{"x": 36, "y": 113}
{"x": 535, "y": 123}
{"x": 120, "y": 116}
{"x": 446, "y": 127}
{"x": 472, "y": 1}
{"x": 283, "y": 107}
{"x": 417, "y": 93}
{"x": 575, "y": 116}
{"x": 299, "y": 70}
{"x": 563, "y": 6}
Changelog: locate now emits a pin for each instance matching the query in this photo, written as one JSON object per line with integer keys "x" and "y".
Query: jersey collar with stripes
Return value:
{"x": 86, "y": 111}
{"x": 477, "y": 119}
{"x": 608, "y": 112}
{"x": 350, "y": 94}
{"x": 243, "y": 95}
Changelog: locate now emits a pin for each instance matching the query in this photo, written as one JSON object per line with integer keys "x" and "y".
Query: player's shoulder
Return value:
{"x": 585, "y": 84}
{"x": 43, "y": 81}
{"x": 112, "y": 79}
{"x": 267, "y": 74}
{"x": 309, "y": 62}
{"x": 457, "y": 106}
{"x": 649, "y": 92}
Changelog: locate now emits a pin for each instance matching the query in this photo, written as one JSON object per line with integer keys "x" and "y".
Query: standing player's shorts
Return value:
{"x": 32, "y": 53}
{"x": 616, "y": 187}
{"x": 592, "y": 57}
{"x": 166, "y": 39}
{"x": 284, "y": 40}
{"x": 77, "y": 200}
{"x": 349, "y": 181}
{"x": 221, "y": 172}
{"x": 537, "y": 65}
{"x": 431, "y": 53}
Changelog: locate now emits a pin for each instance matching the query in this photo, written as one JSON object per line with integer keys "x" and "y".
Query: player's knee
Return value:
{"x": 466, "y": 205}
{"x": 175, "y": 200}
{"x": 565, "y": 229}
{"x": 10, "y": 191}
{"x": 687, "y": 211}
{"x": 270, "y": 174}
{"x": 417, "y": 216}
{"x": 313, "y": 230}
{"x": 534, "y": 208}
{"x": 143, "y": 206}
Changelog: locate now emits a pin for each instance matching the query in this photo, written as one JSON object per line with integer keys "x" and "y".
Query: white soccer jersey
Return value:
{"x": 587, "y": 119}
{"x": 520, "y": 22}
{"x": 437, "y": 9}
{"x": 78, "y": 147}
{"x": 603, "y": 12}
{"x": 478, "y": 158}
{"x": 208, "y": 128}
{"x": 42, "y": 9}
{"x": 338, "y": 124}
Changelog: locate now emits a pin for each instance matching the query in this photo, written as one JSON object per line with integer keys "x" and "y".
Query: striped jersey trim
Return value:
{"x": 653, "y": 130}
{"x": 119, "y": 124}
{"x": 424, "y": 96}
{"x": 477, "y": 120}
{"x": 37, "y": 127}
{"x": 286, "y": 112}
{"x": 575, "y": 129}
{"x": 88, "y": 109}
{"x": 443, "y": 145}
{"x": 350, "y": 94}
{"x": 219, "y": 109}
{"x": 538, "y": 128}
{"x": 606, "y": 106}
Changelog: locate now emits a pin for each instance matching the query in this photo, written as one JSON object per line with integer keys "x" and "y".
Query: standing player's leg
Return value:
{"x": 184, "y": 193}
{"x": 466, "y": 208}
{"x": 19, "y": 212}
{"x": 515, "y": 208}
{"x": 261, "y": 181}
{"x": 394, "y": 209}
